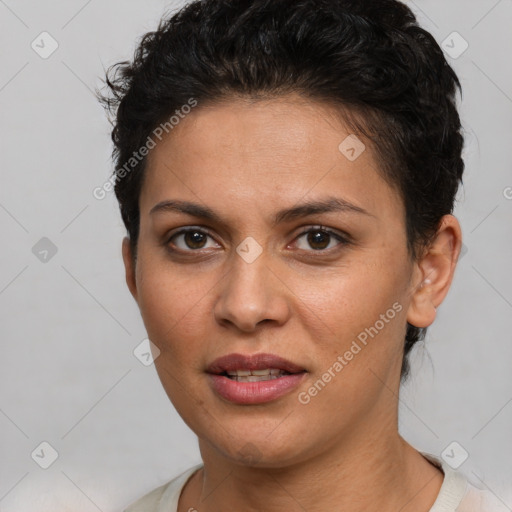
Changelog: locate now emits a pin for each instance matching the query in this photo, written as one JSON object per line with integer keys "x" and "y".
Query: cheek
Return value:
{"x": 351, "y": 298}
{"x": 356, "y": 325}
{"x": 358, "y": 315}
{"x": 172, "y": 306}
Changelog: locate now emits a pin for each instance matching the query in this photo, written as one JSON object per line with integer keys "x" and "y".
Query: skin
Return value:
{"x": 245, "y": 161}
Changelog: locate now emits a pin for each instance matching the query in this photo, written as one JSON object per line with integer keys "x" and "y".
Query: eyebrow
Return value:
{"x": 327, "y": 205}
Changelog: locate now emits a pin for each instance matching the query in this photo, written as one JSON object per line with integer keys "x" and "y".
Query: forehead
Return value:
{"x": 276, "y": 150}
{"x": 256, "y": 130}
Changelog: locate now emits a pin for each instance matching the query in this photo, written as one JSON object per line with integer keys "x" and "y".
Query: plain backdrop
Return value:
{"x": 68, "y": 374}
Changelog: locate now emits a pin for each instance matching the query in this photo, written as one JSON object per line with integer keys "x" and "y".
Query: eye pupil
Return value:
{"x": 320, "y": 238}
{"x": 317, "y": 239}
{"x": 194, "y": 239}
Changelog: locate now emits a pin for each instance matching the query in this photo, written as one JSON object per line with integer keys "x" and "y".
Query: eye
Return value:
{"x": 321, "y": 239}
{"x": 190, "y": 239}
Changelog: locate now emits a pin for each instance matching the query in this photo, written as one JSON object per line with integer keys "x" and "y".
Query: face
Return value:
{"x": 273, "y": 241}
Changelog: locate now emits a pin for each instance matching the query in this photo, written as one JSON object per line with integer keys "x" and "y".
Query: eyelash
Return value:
{"x": 343, "y": 240}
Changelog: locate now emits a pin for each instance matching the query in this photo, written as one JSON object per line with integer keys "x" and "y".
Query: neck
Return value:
{"x": 366, "y": 471}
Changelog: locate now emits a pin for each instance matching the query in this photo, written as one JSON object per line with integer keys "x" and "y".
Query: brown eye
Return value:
{"x": 320, "y": 239}
{"x": 190, "y": 240}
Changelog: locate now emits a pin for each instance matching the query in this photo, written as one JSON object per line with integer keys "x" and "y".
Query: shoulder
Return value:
{"x": 480, "y": 500}
{"x": 458, "y": 494}
{"x": 165, "y": 497}
{"x": 150, "y": 501}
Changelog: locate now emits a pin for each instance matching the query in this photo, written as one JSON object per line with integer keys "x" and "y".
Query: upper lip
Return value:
{"x": 232, "y": 362}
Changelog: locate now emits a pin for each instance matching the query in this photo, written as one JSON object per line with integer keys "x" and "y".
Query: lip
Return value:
{"x": 235, "y": 361}
{"x": 247, "y": 393}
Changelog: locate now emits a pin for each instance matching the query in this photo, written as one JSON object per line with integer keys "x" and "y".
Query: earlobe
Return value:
{"x": 422, "y": 311}
{"x": 129, "y": 266}
{"x": 434, "y": 273}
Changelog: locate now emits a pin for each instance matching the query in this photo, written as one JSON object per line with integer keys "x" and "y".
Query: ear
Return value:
{"x": 129, "y": 266}
{"x": 433, "y": 273}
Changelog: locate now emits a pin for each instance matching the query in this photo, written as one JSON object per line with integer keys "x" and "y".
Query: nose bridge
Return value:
{"x": 250, "y": 292}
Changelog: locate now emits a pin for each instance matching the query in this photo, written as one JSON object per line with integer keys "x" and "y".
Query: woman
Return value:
{"x": 286, "y": 171}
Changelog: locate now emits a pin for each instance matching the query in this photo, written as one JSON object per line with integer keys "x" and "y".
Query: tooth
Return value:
{"x": 240, "y": 373}
{"x": 265, "y": 374}
{"x": 262, "y": 372}
{"x": 256, "y": 378}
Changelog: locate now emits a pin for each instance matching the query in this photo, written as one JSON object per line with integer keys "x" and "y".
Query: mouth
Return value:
{"x": 253, "y": 367}
{"x": 257, "y": 375}
{"x": 254, "y": 379}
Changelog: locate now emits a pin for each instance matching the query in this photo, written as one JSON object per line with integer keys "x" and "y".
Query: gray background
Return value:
{"x": 68, "y": 375}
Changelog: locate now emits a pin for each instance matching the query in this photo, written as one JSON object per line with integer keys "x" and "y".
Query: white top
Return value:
{"x": 457, "y": 494}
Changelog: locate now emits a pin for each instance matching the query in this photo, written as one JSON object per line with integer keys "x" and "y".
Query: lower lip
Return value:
{"x": 254, "y": 392}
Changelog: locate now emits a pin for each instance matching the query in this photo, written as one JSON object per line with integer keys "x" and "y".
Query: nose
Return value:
{"x": 251, "y": 294}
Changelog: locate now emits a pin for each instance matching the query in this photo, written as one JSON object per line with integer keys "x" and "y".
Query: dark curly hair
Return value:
{"x": 369, "y": 58}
